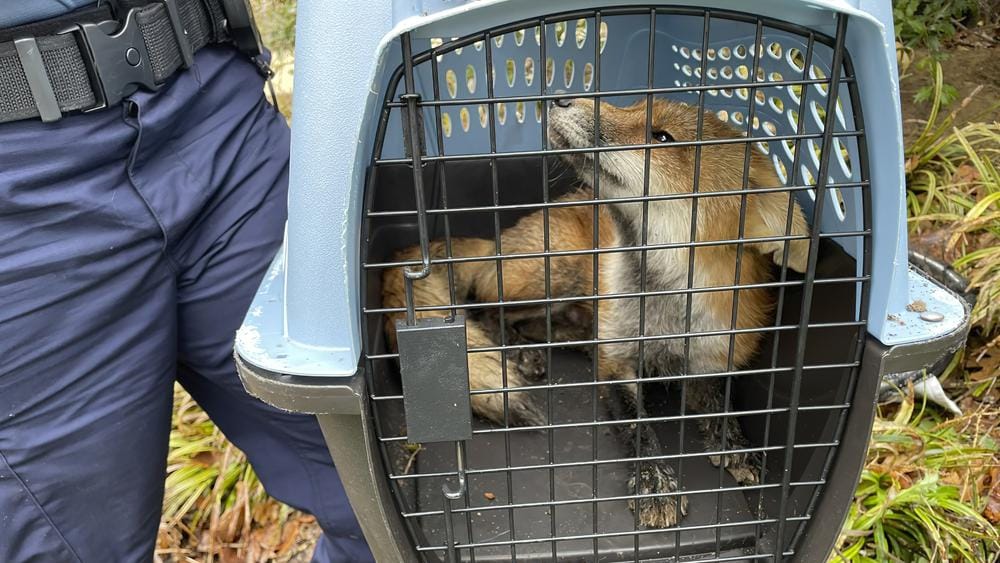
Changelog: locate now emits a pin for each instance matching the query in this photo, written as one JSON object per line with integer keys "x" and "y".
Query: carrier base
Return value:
{"x": 530, "y": 447}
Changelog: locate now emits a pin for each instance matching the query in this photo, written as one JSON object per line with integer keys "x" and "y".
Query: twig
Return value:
{"x": 214, "y": 520}
{"x": 989, "y": 40}
{"x": 412, "y": 458}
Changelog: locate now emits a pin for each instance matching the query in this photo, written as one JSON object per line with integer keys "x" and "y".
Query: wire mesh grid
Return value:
{"x": 601, "y": 434}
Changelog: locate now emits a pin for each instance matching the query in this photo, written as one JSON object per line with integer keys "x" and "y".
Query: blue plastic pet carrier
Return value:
{"x": 424, "y": 124}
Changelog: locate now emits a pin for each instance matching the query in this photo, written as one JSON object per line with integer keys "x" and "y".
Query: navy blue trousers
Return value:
{"x": 131, "y": 243}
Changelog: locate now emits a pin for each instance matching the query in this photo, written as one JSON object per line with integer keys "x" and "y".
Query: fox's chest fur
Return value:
{"x": 666, "y": 223}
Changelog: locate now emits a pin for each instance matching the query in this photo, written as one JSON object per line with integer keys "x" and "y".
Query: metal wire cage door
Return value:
{"x": 470, "y": 194}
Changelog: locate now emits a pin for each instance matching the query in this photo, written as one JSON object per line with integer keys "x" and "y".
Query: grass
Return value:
{"x": 923, "y": 490}
{"x": 931, "y": 485}
{"x": 953, "y": 182}
{"x": 214, "y": 508}
{"x": 930, "y": 491}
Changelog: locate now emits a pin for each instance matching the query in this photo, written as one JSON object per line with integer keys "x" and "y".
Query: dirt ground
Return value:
{"x": 965, "y": 68}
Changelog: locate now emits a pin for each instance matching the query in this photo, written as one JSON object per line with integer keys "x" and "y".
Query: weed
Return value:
{"x": 938, "y": 92}
{"x": 953, "y": 188}
{"x": 926, "y": 23}
{"x": 921, "y": 494}
{"x": 214, "y": 505}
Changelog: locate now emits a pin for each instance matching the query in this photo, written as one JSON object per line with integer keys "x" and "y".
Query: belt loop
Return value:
{"x": 116, "y": 9}
{"x": 216, "y": 19}
{"x": 181, "y": 34}
{"x": 38, "y": 79}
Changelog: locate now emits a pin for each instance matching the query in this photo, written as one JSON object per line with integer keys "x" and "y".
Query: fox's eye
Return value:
{"x": 663, "y": 137}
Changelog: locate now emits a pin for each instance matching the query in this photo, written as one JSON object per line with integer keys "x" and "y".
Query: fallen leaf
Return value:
{"x": 206, "y": 459}
{"x": 952, "y": 478}
{"x": 229, "y": 555}
{"x": 992, "y": 510}
{"x": 933, "y": 243}
{"x": 984, "y": 365}
{"x": 290, "y": 534}
{"x": 903, "y": 481}
{"x": 966, "y": 174}
{"x": 489, "y": 496}
{"x": 917, "y": 306}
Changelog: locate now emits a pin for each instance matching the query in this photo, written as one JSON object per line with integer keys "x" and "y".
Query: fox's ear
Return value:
{"x": 770, "y": 215}
{"x": 798, "y": 254}
{"x": 770, "y": 221}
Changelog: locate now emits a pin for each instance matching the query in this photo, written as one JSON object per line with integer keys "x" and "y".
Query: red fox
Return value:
{"x": 668, "y": 221}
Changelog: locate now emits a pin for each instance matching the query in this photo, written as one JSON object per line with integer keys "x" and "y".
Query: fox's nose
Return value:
{"x": 562, "y": 102}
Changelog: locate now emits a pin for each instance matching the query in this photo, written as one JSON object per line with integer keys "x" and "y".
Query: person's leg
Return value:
{"x": 229, "y": 152}
{"x": 87, "y": 345}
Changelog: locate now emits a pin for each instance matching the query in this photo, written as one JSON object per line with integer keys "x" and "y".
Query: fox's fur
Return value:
{"x": 667, "y": 221}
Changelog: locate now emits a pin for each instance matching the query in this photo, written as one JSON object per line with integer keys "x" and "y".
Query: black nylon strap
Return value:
{"x": 67, "y": 70}
{"x": 93, "y": 14}
{"x": 67, "y": 74}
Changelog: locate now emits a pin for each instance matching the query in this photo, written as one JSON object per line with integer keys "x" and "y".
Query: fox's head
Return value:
{"x": 671, "y": 170}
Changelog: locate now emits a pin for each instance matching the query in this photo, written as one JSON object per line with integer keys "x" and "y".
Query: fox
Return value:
{"x": 664, "y": 225}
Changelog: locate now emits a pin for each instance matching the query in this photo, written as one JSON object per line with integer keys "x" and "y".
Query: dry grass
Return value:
{"x": 214, "y": 508}
{"x": 928, "y": 489}
{"x": 954, "y": 199}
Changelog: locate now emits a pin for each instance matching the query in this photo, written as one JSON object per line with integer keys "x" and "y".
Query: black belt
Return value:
{"x": 89, "y": 63}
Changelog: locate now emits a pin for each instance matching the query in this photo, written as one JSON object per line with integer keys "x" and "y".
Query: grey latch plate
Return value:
{"x": 434, "y": 368}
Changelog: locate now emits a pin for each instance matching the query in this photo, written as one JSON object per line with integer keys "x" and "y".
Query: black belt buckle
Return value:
{"x": 242, "y": 28}
{"x": 117, "y": 61}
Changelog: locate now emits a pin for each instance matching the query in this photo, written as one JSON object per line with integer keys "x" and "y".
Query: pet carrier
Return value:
{"x": 589, "y": 280}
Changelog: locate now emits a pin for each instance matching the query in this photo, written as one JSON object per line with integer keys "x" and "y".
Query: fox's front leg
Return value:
{"x": 487, "y": 371}
{"x": 722, "y": 433}
{"x": 479, "y": 281}
{"x": 655, "y": 478}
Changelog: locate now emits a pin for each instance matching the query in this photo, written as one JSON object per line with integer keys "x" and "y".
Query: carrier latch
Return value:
{"x": 435, "y": 373}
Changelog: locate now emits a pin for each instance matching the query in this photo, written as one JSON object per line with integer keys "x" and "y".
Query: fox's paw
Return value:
{"x": 525, "y": 410}
{"x": 657, "y": 511}
{"x": 530, "y": 362}
{"x": 744, "y": 467}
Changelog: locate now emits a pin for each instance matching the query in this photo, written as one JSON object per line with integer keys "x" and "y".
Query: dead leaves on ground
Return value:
{"x": 992, "y": 510}
{"x": 269, "y": 535}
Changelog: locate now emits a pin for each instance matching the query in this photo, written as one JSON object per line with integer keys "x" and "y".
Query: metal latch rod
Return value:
{"x": 412, "y": 100}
